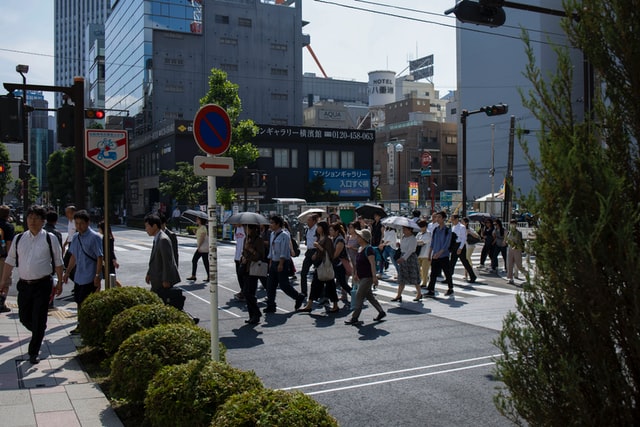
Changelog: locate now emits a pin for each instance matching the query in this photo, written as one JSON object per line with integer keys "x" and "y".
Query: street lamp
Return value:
{"x": 399, "y": 148}
{"x": 24, "y": 69}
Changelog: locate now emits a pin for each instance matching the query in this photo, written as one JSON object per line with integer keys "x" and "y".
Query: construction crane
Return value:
{"x": 315, "y": 58}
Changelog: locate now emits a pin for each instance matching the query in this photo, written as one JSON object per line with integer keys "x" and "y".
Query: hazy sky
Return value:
{"x": 348, "y": 39}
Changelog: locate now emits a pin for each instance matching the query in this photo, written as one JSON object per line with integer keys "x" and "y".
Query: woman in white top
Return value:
{"x": 423, "y": 239}
{"x": 202, "y": 250}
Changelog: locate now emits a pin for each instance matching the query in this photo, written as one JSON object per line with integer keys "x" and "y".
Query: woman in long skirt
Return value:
{"x": 409, "y": 270}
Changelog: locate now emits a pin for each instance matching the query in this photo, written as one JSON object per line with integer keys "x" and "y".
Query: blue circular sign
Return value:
{"x": 212, "y": 129}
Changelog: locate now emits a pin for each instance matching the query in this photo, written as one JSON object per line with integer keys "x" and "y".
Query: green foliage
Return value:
{"x": 137, "y": 318}
{"x": 189, "y": 394}
{"x": 226, "y": 196}
{"x": 571, "y": 353}
{"x": 144, "y": 353}
{"x": 225, "y": 94}
{"x": 60, "y": 174}
{"x": 274, "y": 408}
{"x": 5, "y": 179}
{"x": 183, "y": 185}
{"x": 99, "y": 308}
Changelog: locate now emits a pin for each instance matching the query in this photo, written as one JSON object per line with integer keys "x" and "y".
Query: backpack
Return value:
{"x": 296, "y": 247}
{"x": 3, "y": 247}
{"x": 454, "y": 244}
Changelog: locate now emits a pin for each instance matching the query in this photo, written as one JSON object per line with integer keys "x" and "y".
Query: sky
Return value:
{"x": 347, "y": 37}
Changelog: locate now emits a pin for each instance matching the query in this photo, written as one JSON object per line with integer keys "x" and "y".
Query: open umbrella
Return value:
{"x": 319, "y": 211}
{"x": 191, "y": 215}
{"x": 399, "y": 222}
{"x": 480, "y": 216}
{"x": 368, "y": 209}
{"x": 247, "y": 218}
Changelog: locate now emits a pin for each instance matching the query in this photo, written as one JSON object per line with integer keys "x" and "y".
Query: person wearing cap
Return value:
{"x": 514, "y": 254}
{"x": 365, "y": 276}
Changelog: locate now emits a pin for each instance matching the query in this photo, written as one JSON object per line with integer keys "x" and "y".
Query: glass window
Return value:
{"x": 315, "y": 159}
{"x": 332, "y": 159}
{"x": 265, "y": 152}
{"x": 294, "y": 158}
{"x": 221, "y": 19}
{"x": 347, "y": 159}
{"x": 280, "y": 158}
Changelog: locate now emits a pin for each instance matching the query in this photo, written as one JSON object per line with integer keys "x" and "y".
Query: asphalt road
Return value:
{"x": 428, "y": 364}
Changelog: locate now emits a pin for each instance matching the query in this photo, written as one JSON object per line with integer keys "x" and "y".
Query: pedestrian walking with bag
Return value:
{"x": 162, "y": 273}
{"x": 323, "y": 283}
{"x": 254, "y": 267}
{"x": 514, "y": 254}
{"x": 202, "y": 250}
{"x": 499, "y": 246}
{"x": 365, "y": 276}
{"x": 36, "y": 257}
{"x": 408, "y": 268}
{"x": 473, "y": 238}
{"x": 423, "y": 240}
{"x": 342, "y": 265}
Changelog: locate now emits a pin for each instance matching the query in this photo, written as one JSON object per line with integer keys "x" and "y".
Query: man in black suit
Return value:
{"x": 163, "y": 272}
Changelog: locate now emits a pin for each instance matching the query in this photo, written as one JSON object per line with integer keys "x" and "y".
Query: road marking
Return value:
{"x": 208, "y": 302}
{"x": 400, "y": 371}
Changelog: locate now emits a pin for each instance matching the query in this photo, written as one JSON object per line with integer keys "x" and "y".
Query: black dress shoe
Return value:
{"x": 429, "y": 294}
{"x": 299, "y": 302}
{"x": 269, "y": 310}
{"x": 34, "y": 360}
{"x": 352, "y": 322}
{"x": 253, "y": 320}
{"x": 398, "y": 299}
{"x": 418, "y": 298}
{"x": 304, "y": 310}
{"x": 380, "y": 316}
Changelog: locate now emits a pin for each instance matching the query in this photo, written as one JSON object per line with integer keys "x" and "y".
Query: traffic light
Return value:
{"x": 64, "y": 119}
{"x": 3, "y": 170}
{"x": 495, "y": 110}
{"x": 487, "y": 12}
{"x": 94, "y": 114}
{"x": 11, "y": 125}
{"x": 263, "y": 179}
{"x": 24, "y": 170}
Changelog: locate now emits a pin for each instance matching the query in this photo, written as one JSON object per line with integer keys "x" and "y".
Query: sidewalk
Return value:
{"x": 55, "y": 392}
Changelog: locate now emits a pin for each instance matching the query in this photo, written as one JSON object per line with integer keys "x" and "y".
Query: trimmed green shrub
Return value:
{"x": 189, "y": 394}
{"x": 274, "y": 408}
{"x": 144, "y": 353}
{"x": 98, "y": 310}
{"x": 139, "y": 317}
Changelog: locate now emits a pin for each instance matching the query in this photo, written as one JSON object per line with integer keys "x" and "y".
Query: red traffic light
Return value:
{"x": 495, "y": 110}
{"x": 3, "y": 168}
{"x": 94, "y": 113}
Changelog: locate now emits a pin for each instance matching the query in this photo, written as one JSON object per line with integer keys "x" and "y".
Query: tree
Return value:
{"x": 571, "y": 352}
{"x": 225, "y": 94}
{"x": 226, "y": 196}
{"x": 5, "y": 179}
{"x": 33, "y": 193}
{"x": 181, "y": 184}
{"x": 60, "y": 173}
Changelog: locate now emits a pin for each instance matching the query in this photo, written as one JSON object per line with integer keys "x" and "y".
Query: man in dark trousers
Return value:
{"x": 310, "y": 239}
{"x": 461, "y": 251}
{"x": 163, "y": 272}
{"x": 439, "y": 254}
{"x": 35, "y": 254}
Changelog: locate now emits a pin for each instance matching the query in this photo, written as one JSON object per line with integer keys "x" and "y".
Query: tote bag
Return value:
{"x": 258, "y": 269}
{"x": 325, "y": 269}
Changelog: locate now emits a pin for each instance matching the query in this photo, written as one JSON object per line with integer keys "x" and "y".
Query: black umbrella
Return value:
{"x": 247, "y": 218}
{"x": 368, "y": 209}
{"x": 480, "y": 216}
{"x": 191, "y": 215}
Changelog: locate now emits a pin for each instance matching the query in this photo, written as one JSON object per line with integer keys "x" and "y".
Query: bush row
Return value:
{"x": 162, "y": 360}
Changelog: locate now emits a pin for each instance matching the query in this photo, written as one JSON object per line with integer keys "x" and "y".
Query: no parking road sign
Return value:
{"x": 212, "y": 129}
{"x": 106, "y": 148}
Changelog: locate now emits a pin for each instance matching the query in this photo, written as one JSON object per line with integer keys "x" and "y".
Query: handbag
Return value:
{"x": 348, "y": 268}
{"x": 258, "y": 269}
{"x": 472, "y": 240}
{"x": 325, "y": 269}
{"x": 397, "y": 254}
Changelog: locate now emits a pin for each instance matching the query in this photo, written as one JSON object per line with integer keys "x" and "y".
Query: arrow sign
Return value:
{"x": 213, "y": 166}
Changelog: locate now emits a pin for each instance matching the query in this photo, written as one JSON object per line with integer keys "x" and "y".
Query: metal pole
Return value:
{"x": 463, "y": 120}
{"x": 25, "y": 149}
{"x": 107, "y": 233}
{"x": 80, "y": 186}
{"x": 213, "y": 266}
{"x": 244, "y": 179}
{"x": 493, "y": 167}
{"x": 508, "y": 185}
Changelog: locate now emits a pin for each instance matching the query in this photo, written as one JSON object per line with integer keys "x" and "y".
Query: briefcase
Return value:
{"x": 173, "y": 297}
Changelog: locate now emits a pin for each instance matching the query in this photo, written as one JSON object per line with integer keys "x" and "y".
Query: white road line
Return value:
{"x": 208, "y": 302}
{"x": 393, "y": 380}
{"x": 137, "y": 247}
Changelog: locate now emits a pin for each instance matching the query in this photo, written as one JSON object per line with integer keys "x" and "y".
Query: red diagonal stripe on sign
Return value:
{"x": 213, "y": 128}
{"x": 94, "y": 152}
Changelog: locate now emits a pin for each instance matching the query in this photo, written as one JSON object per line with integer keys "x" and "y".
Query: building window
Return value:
{"x": 265, "y": 152}
{"x": 315, "y": 159}
{"x": 294, "y": 158}
{"x": 347, "y": 159}
{"x": 279, "y": 121}
{"x": 229, "y": 67}
{"x": 244, "y": 22}
{"x": 332, "y": 160}
{"x": 228, "y": 40}
{"x": 221, "y": 19}
{"x": 279, "y": 96}
{"x": 454, "y": 111}
{"x": 173, "y": 61}
{"x": 280, "y": 158}
{"x": 279, "y": 46}
{"x": 279, "y": 72}
{"x": 451, "y": 139}
{"x": 450, "y": 160}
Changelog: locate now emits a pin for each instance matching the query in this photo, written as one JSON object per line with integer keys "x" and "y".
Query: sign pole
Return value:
{"x": 105, "y": 237}
{"x": 213, "y": 266}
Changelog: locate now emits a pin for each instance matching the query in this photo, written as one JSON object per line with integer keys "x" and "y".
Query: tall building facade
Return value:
{"x": 71, "y": 42}
{"x": 158, "y": 58}
{"x": 490, "y": 71}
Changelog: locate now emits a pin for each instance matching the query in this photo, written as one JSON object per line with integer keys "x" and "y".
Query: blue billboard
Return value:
{"x": 344, "y": 182}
